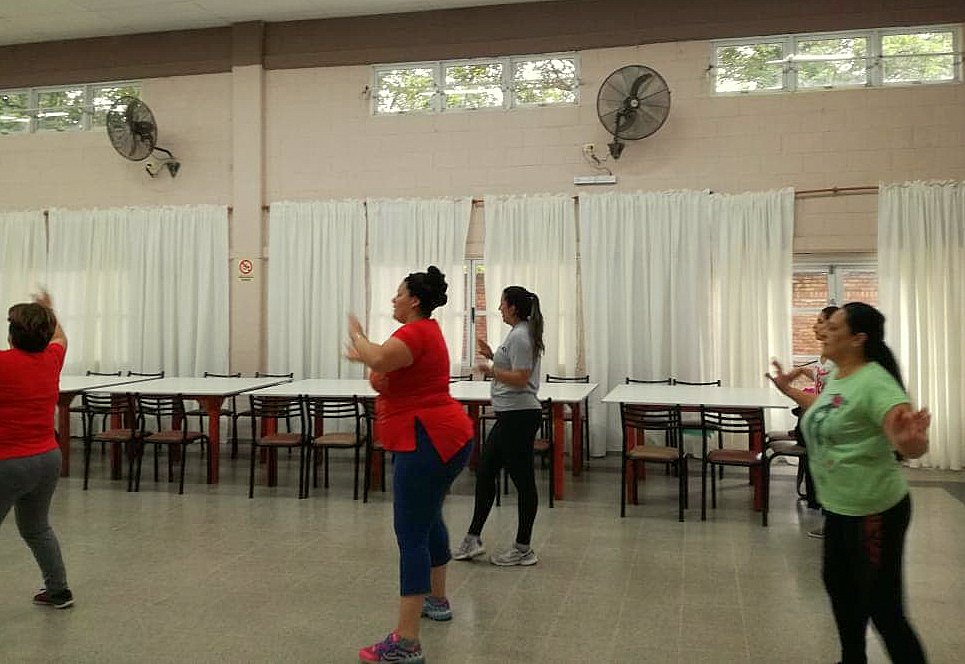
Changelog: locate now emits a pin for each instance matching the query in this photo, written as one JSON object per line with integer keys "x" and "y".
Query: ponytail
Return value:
{"x": 864, "y": 319}
{"x": 527, "y": 309}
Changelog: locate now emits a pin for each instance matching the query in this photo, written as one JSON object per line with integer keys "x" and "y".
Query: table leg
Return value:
{"x": 117, "y": 454}
{"x": 757, "y": 445}
{"x": 63, "y": 430}
{"x": 559, "y": 437}
{"x": 576, "y": 424}
{"x": 212, "y": 405}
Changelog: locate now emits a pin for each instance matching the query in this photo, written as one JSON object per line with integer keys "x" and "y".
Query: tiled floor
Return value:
{"x": 214, "y": 577}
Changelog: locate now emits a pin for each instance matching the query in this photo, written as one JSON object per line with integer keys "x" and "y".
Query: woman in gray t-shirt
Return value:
{"x": 515, "y": 372}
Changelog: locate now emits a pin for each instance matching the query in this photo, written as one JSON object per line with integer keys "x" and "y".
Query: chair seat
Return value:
{"x": 225, "y": 412}
{"x": 336, "y": 440}
{"x": 280, "y": 440}
{"x": 174, "y": 436}
{"x": 787, "y": 448}
{"x": 781, "y": 435}
{"x": 653, "y": 453}
{"x": 734, "y": 457}
{"x": 116, "y": 435}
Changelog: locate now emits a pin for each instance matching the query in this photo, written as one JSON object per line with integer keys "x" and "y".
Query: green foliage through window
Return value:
{"x": 68, "y": 108}
{"x": 860, "y": 58}
{"x": 459, "y": 85}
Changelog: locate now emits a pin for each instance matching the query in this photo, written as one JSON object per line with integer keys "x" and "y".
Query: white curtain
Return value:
{"x": 142, "y": 288}
{"x": 23, "y": 256}
{"x": 674, "y": 281}
{"x": 753, "y": 264}
{"x": 921, "y": 268}
{"x": 531, "y": 242}
{"x": 407, "y": 236}
{"x": 316, "y": 277}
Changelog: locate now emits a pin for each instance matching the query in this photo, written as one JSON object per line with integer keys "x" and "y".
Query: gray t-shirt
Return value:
{"x": 516, "y": 352}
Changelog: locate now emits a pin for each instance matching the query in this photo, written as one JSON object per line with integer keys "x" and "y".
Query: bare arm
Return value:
{"x": 382, "y": 358}
{"x": 907, "y": 430}
{"x": 782, "y": 381}
{"x": 43, "y": 299}
{"x": 511, "y": 377}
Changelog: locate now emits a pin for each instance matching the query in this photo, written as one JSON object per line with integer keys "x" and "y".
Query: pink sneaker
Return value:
{"x": 391, "y": 649}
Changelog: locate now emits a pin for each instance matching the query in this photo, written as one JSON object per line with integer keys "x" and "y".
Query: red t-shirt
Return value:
{"x": 420, "y": 391}
{"x": 29, "y": 389}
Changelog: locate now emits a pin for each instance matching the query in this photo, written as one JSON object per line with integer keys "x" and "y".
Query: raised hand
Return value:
{"x": 354, "y": 328}
{"x": 781, "y": 380}
{"x": 43, "y": 299}
{"x": 910, "y": 429}
{"x": 483, "y": 348}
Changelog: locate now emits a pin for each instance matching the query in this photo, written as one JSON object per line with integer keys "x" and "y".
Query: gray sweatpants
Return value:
{"x": 27, "y": 485}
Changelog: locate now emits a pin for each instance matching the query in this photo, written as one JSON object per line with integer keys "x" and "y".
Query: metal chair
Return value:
{"x": 568, "y": 414}
{"x": 638, "y": 419}
{"x": 277, "y": 408}
{"x": 373, "y": 448}
{"x": 741, "y": 421}
{"x": 225, "y": 412}
{"x": 79, "y": 410}
{"x": 317, "y": 410}
{"x": 110, "y": 406}
{"x": 246, "y": 413}
{"x": 157, "y": 408}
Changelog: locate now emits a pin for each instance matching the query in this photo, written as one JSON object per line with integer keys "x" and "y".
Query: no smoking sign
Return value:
{"x": 246, "y": 270}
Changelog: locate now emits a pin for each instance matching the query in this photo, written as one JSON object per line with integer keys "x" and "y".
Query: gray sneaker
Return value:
{"x": 513, "y": 556}
{"x": 469, "y": 548}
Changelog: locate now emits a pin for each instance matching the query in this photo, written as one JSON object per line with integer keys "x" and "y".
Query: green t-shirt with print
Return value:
{"x": 853, "y": 464}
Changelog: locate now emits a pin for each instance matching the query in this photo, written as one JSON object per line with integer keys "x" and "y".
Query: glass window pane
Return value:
{"x": 905, "y": 57}
{"x": 803, "y": 341}
{"x": 405, "y": 90}
{"x": 14, "y": 118}
{"x": 831, "y": 62}
{"x": 104, "y": 97}
{"x": 859, "y": 286}
{"x": 749, "y": 67}
{"x": 60, "y": 110}
{"x": 472, "y": 86}
{"x": 548, "y": 81}
{"x": 810, "y": 290}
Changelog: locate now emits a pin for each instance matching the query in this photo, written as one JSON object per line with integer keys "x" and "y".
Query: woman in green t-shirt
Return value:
{"x": 853, "y": 429}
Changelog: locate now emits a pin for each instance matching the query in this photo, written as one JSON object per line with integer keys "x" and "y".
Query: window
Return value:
{"x": 469, "y": 85}
{"x": 66, "y": 108}
{"x": 476, "y": 312}
{"x": 816, "y": 286}
{"x": 838, "y": 60}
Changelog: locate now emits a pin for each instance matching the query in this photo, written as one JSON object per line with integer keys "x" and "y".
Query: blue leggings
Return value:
{"x": 420, "y": 481}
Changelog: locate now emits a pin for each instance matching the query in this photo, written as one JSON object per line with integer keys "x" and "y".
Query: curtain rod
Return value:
{"x": 867, "y": 189}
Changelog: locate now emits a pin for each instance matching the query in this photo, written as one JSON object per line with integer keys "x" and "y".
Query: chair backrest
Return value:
{"x": 709, "y": 383}
{"x": 107, "y": 404}
{"x": 733, "y": 420}
{"x": 106, "y": 373}
{"x": 341, "y": 408}
{"x": 262, "y": 374}
{"x": 460, "y": 378}
{"x": 279, "y": 408}
{"x": 159, "y": 374}
{"x": 639, "y": 381}
{"x": 156, "y": 407}
{"x": 649, "y": 417}
{"x": 550, "y": 378}
{"x": 208, "y": 374}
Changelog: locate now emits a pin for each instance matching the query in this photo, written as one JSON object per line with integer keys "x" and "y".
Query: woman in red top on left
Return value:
{"x": 429, "y": 433}
{"x": 29, "y": 455}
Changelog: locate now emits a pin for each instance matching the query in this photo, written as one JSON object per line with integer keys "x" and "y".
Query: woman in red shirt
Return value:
{"x": 29, "y": 455}
{"x": 429, "y": 432}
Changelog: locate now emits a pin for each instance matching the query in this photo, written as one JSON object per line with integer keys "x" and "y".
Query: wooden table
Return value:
{"x": 209, "y": 392}
{"x": 474, "y": 395}
{"x": 692, "y": 397}
{"x": 70, "y": 387}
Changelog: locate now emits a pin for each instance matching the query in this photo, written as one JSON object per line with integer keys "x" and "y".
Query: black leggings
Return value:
{"x": 509, "y": 445}
{"x": 863, "y": 577}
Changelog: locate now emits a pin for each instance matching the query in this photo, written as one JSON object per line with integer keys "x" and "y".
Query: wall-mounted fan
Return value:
{"x": 133, "y": 133}
{"x": 632, "y": 103}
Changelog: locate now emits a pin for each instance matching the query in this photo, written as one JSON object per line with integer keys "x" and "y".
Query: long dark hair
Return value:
{"x": 527, "y": 309}
{"x": 865, "y": 319}
{"x": 430, "y": 287}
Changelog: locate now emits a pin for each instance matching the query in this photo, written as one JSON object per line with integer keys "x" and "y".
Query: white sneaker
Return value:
{"x": 469, "y": 548}
{"x": 513, "y": 556}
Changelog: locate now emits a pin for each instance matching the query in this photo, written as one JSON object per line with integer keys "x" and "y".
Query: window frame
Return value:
{"x": 835, "y": 268}
{"x": 438, "y": 68}
{"x": 87, "y": 108}
{"x": 875, "y": 75}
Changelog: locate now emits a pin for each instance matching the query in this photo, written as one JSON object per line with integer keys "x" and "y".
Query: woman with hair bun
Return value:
{"x": 853, "y": 429}
{"x": 515, "y": 373}
{"x": 429, "y": 433}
